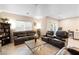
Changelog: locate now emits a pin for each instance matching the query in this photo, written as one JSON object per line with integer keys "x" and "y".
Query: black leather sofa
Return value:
{"x": 22, "y": 36}
{"x": 61, "y": 35}
{"x": 73, "y": 51}
{"x": 58, "y": 40}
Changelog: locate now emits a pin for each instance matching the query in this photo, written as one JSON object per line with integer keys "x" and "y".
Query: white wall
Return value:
{"x": 70, "y": 24}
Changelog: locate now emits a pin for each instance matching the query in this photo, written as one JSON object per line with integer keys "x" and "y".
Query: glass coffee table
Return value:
{"x": 41, "y": 47}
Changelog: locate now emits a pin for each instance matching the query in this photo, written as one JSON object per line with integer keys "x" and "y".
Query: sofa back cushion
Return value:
{"x": 30, "y": 33}
{"x": 62, "y": 34}
{"x": 19, "y": 34}
{"x": 24, "y": 33}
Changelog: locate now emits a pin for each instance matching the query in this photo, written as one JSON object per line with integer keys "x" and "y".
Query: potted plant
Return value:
{"x": 3, "y": 19}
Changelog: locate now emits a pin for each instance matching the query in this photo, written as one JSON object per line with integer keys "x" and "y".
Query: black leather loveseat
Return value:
{"x": 22, "y": 36}
{"x": 58, "y": 40}
{"x": 73, "y": 50}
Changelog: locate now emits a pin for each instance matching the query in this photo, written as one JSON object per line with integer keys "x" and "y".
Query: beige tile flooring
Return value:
{"x": 38, "y": 48}
{"x": 10, "y": 49}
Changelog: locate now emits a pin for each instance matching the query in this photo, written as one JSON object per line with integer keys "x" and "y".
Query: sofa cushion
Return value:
{"x": 49, "y": 33}
{"x": 62, "y": 34}
{"x": 46, "y": 39}
{"x": 19, "y": 34}
{"x": 30, "y": 33}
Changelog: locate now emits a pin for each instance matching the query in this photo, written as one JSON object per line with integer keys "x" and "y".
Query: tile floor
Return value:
{"x": 30, "y": 48}
{"x": 38, "y": 48}
{"x": 10, "y": 49}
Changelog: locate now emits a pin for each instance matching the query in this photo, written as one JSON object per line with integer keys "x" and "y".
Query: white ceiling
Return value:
{"x": 58, "y": 11}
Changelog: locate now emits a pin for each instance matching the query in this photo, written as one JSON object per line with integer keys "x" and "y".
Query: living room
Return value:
{"x": 39, "y": 29}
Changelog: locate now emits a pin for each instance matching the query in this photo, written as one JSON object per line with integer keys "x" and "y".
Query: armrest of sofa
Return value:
{"x": 73, "y": 51}
{"x": 43, "y": 36}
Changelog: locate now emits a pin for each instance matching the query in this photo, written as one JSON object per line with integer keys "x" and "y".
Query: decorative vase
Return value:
{"x": 4, "y": 20}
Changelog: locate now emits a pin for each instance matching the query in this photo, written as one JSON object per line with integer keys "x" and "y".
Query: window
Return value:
{"x": 22, "y": 26}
